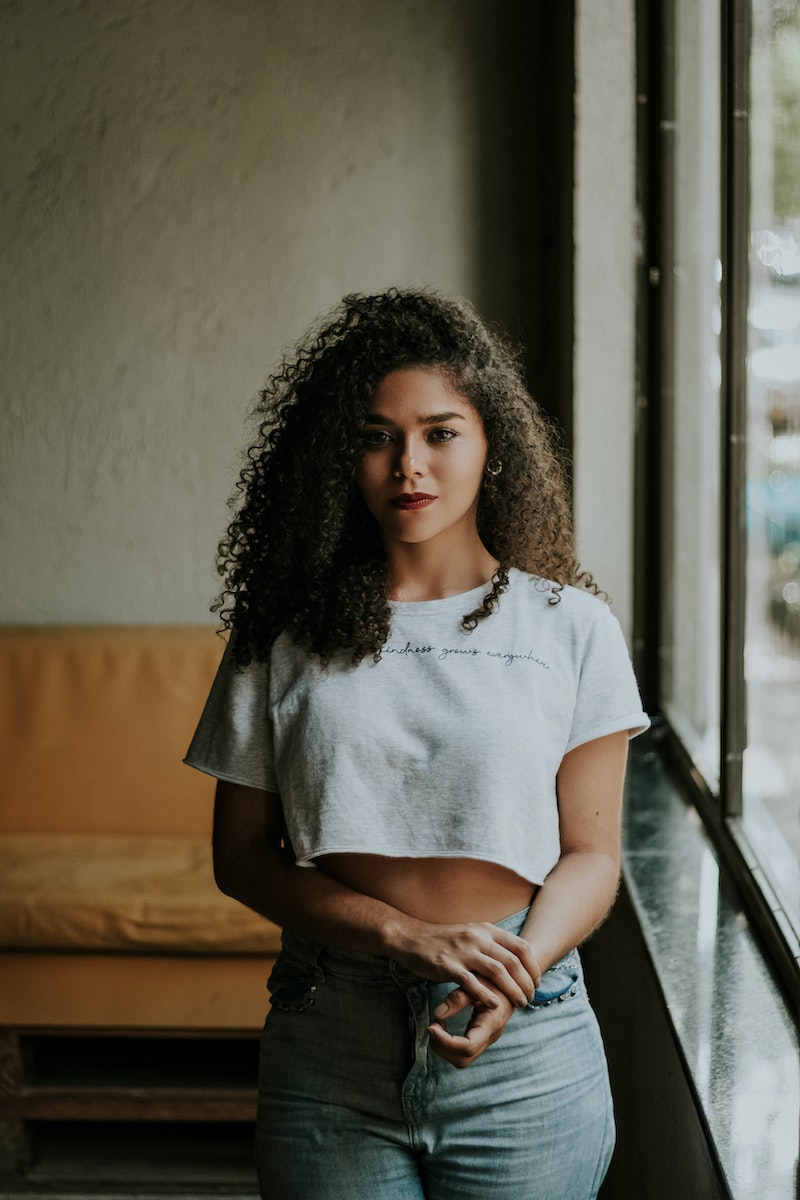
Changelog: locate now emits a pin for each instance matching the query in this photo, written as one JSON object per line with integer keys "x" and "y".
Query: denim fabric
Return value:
{"x": 353, "y": 1105}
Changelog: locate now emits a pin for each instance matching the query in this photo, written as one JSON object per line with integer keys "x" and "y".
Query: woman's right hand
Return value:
{"x": 468, "y": 955}
{"x": 251, "y": 864}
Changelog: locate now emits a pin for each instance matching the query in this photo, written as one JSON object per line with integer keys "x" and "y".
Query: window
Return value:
{"x": 690, "y": 386}
{"x": 771, "y": 780}
{"x": 718, "y": 548}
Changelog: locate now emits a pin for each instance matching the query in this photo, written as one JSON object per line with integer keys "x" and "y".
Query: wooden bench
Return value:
{"x": 117, "y": 952}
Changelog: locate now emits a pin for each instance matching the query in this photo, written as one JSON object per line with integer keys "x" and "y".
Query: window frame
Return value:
{"x": 654, "y": 490}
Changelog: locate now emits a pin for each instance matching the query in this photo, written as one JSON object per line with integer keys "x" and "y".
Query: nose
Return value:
{"x": 408, "y": 461}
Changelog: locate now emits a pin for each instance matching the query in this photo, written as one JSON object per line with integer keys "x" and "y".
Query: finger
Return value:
{"x": 456, "y": 1002}
{"x": 508, "y": 975}
{"x": 522, "y": 952}
{"x": 488, "y": 959}
{"x": 453, "y": 1048}
{"x": 477, "y": 991}
{"x": 527, "y": 958}
{"x": 463, "y": 1049}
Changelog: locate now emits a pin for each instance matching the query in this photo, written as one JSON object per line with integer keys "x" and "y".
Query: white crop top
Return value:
{"x": 447, "y": 747}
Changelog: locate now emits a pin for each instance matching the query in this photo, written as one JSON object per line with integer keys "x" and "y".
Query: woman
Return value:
{"x": 426, "y": 702}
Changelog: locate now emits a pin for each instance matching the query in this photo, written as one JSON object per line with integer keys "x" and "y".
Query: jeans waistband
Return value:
{"x": 356, "y": 962}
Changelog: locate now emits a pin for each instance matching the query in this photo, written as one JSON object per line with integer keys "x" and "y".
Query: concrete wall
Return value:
{"x": 604, "y": 405}
{"x": 185, "y": 185}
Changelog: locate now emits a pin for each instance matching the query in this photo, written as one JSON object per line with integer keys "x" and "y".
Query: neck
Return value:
{"x": 430, "y": 572}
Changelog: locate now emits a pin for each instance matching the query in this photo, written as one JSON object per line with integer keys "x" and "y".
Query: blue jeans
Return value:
{"x": 353, "y": 1105}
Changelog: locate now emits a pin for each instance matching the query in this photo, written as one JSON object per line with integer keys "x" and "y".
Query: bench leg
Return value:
{"x": 15, "y": 1150}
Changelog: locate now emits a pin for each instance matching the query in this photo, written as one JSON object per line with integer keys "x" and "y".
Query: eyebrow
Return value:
{"x": 436, "y": 419}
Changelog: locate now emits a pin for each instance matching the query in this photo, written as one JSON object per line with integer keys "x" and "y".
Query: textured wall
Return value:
{"x": 185, "y": 184}
{"x": 604, "y": 406}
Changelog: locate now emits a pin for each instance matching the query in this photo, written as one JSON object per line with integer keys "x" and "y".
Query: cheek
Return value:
{"x": 477, "y": 466}
{"x": 361, "y": 469}
{"x": 366, "y": 478}
{"x": 479, "y": 478}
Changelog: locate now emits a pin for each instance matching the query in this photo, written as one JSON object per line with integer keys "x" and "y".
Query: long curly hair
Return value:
{"x": 302, "y": 553}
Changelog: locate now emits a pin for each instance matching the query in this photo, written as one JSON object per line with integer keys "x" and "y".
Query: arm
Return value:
{"x": 581, "y": 888}
{"x": 252, "y": 865}
{"x": 577, "y": 893}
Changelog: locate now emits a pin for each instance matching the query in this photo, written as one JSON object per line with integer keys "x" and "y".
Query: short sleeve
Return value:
{"x": 233, "y": 740}
{"x": 607, "y": 698}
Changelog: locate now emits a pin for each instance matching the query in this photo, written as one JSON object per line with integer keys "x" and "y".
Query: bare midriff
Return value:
{"x": 446, "y": 890}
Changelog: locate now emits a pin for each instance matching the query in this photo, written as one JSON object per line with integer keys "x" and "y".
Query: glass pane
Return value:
{"x": 692, "y": 444}
{"x": 772, "y": 653}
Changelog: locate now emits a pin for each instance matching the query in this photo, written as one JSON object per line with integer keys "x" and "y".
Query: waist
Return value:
{"x": 363, "y": 966}
{"x": 446, "y": 890}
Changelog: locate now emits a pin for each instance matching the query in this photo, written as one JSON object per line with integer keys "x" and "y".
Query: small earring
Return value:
{"x": 494, "y": 467}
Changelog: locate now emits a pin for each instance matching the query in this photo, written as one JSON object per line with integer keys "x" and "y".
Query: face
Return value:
{"x": 424, "y": 452}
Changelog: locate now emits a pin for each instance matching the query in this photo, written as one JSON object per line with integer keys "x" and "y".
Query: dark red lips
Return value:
{"x": 412, "y": 500}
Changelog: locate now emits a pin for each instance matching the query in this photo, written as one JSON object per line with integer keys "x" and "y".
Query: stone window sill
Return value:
{"x": 738, "y": 1036}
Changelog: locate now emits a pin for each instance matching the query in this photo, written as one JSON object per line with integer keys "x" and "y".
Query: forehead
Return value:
{"x": 421, "y": 391}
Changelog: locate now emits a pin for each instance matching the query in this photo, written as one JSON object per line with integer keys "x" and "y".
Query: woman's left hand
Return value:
{"x": 485, "y": 1027}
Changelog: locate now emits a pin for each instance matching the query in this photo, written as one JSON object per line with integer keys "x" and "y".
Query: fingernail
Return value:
{"x": 440, "y": 1010}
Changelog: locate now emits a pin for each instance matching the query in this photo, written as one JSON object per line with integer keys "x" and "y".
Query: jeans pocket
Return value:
{"x": 561, "y": 982}
{"x": 292, "y": 985}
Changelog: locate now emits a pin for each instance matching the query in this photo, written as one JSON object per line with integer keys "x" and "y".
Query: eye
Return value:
{"x": 442, "y": 435}
{"x": 374, "y": 437}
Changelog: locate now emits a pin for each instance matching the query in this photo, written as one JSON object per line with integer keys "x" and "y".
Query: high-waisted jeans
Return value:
{"x": 354, "y": 1105}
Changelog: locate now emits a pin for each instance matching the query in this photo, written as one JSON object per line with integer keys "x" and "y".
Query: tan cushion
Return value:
{"x": 94, "y": 722}
{"x": 116, "y": 892}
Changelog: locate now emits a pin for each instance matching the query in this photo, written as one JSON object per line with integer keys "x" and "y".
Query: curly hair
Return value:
{"x": 302, "y": 553}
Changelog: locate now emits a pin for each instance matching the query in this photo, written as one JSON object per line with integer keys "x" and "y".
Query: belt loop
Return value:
{"x": 305, "y": 950}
